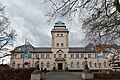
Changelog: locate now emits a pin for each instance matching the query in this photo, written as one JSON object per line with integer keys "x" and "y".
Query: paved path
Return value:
{"x": 62, "y": 75}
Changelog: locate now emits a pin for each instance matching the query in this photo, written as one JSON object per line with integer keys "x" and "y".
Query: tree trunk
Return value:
{"x": 117, "y": 5}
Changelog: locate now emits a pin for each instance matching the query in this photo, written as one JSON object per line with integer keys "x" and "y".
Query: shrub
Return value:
{"x": 107, "y": 76}
{"x": 16, "y": 74}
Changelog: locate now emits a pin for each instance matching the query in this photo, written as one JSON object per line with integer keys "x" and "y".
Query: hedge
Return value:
{"x": 16, "y": 74}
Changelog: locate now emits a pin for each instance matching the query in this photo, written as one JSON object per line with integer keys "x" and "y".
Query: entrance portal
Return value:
{"x": 60, "y": 66}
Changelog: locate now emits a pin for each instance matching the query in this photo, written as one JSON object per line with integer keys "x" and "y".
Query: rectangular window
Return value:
{"x": 60, "y": 55}
{"x": 95, "y": 55}
{"x": 37, "y": 55}
{"x": 61, "y": 44}
{"x": 57, "y": 44}
{"x": 21, "y": 56}
{"x": 82, "y": 55}
{"x": 42, "y": 55}
{"x": 29, "y": 56}
{"x": 77, "y": 55}
{"x": 78, "y": 65}
{"x": 54, "y": 55}
{"x": 72, "y": 55}
{"x": 89, "y": 55}
{"x": 72, "y": 65}
{"x": 47, "y": 56}
{"x": 64, "y": 55}
{"x": 15, "y": 55}
{"x": 104, "y": 56}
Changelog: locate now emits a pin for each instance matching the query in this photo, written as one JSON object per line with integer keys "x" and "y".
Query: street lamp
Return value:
{"x": 2, "y": 61}
{"x": 37, "y": 65}
{"x": 86, "y": 68}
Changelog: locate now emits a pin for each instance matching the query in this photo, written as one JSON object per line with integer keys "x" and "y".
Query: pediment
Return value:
{"x": 60, "y": 51}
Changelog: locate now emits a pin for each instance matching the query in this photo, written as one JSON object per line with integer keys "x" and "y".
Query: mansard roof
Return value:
{"x": 90, "y": 48}
{"x": 81, "y": 50}
{"x": 30, "y": 48}
{"x": 43, "y": 49}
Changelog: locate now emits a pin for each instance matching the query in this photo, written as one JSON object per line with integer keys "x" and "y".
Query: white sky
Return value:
{"x": 27, "y": 17}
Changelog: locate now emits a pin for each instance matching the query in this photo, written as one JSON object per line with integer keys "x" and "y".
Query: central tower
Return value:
{"x": 59, "y": 36}
{"x": 60, "y": 45}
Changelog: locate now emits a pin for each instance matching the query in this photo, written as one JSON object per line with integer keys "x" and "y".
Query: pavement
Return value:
{"x": 62, "y": 75}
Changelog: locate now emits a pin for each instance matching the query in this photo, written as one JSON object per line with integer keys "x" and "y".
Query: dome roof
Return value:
{"x": 60, "y": 24}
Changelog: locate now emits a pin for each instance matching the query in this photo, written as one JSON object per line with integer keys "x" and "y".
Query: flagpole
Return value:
{"x": 24, "y": 51}
{"x": 33, "y": 57}
{"x": 98, "y": 64}
{"x": 97, "y": 57}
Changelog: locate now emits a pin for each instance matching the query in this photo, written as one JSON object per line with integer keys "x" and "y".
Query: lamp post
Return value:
{"x": 87, "y": 75}
{"x": 2, "y": 61}
{"x": 37, "y": 66}
{"x": 86, "y": 68}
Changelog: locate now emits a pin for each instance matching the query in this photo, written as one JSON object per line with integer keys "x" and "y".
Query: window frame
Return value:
{"x": 82, "y": 55}
{"x": 72, "y": 56}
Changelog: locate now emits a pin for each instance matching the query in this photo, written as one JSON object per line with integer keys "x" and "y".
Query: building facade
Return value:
{"x": 59, "y": 56}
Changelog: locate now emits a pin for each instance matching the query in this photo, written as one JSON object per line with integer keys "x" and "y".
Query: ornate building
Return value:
{"x": 59, "y": 56}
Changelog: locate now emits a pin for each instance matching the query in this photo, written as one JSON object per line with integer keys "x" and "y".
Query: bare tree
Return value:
{"x": 101, "y": 18}
{"x": 7, "y": 34}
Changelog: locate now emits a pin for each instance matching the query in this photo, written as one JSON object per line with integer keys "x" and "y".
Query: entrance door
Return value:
{"x": 60, "y": 66}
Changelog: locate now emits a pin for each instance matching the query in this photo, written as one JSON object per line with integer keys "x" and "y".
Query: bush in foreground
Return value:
{"x": 16, "y": 74}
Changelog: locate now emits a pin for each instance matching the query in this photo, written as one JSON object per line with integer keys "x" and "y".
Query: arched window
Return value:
{"x": 105, "y": 65}
{"x": 48, "y": 65}
{"x": 72, "y": 65}
{"x": 18, "y": 65}
{"x": 90, "y": 64}
{"x": 83, "y": 64}
{"x": 95, "y": 65}
{"x": 78, "y": 65}
{"x": 100, "y": 65}
{"x": 42, "y": 65}
{"x": 29, "y": 64}
{"x": 13, "y": 64}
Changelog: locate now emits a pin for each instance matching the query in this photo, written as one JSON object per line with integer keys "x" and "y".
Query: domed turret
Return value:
{"x": 59, "y": 24}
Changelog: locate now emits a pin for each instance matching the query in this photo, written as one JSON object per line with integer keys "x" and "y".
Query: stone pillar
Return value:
{"x": 36, "y": 75}
{"x": 87, "y": 76}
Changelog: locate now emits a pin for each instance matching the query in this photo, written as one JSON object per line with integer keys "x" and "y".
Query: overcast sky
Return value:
{"x": 27, "y": 17}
